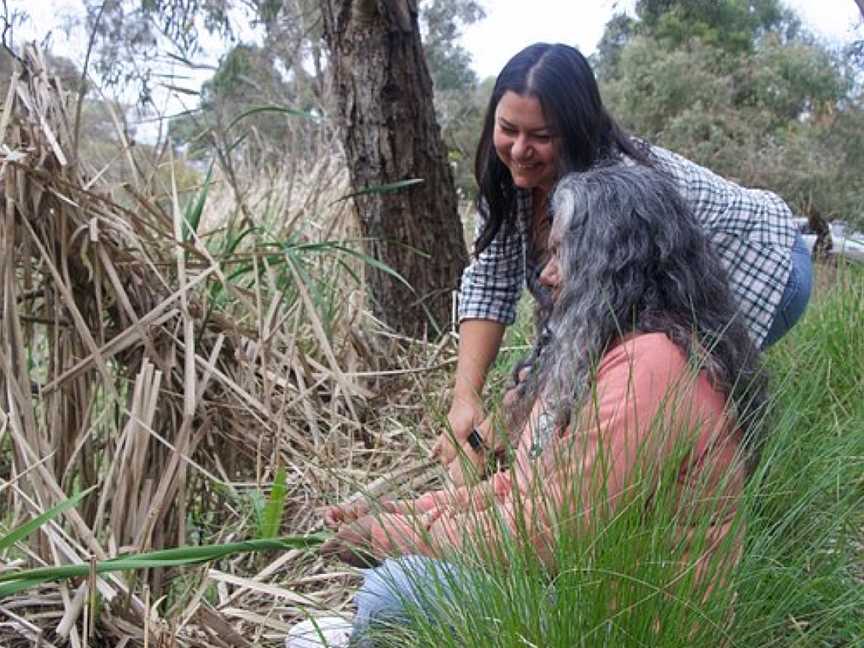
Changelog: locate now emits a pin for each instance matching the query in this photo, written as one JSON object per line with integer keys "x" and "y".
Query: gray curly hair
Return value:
{"x": 633, "y": 258}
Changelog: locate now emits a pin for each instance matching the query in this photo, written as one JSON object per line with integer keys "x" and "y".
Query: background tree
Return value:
{"x": 247, "y": 78}
{"x": 856, "y": 49}
{"x": 741, "y": 88}
{"x": 618, "y": 32}
{"x": 391, "y": 135}
{"x": 460, "y": 100}
{"x": 441, "y": 26}
{"x": 733, "y": 25}
{"x": 387, "y": 117}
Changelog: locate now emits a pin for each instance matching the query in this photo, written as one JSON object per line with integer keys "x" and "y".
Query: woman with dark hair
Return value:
{"x": 644, "y": 362}
{"x": 546, "y": 119}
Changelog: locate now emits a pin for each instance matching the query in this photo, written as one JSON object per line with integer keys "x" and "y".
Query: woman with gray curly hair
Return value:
{"x": 634, "y": 261}
{"x": 642, "y": 362}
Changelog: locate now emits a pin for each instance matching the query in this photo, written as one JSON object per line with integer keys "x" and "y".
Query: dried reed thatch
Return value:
{"x": 133, "y": 359}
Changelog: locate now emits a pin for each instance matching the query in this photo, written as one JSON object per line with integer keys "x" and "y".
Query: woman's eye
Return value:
{"x": 543, "y": 138}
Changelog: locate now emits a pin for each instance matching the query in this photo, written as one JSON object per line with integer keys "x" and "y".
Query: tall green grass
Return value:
{"x": 621, "y": 582}
{"x": 798, "y": 583}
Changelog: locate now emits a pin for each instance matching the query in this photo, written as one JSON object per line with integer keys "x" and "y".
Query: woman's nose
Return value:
{"x": 521, "y": 149}
{"x": 549, "y": 275}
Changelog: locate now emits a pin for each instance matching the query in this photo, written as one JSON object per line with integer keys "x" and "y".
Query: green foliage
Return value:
{"x": 791, "y": 80}
{"x": 132, "y": 31}
{"x": 18, "y": 581}
{"x": 278, "y": 73}
{"x": 9, "y": 539}
{"x": 270, "y": 515}
{"x": 765, "y": 112}
{"x": 272, "y": 259}
{"x": 449, "y": 63}
{"x": 732, "y": 25}
{"x": 265, "y": 257}
{"x": 383, "y": 189}
{"x": 195, "y": 208}
{"x": 656, "y": 87}
{"x": 618, "y": 33}
{"x": 460, "y": 115}
{"x": 460, "y": 101}
{"x": 798, "y": 577}
{"x": 240, "y": 70}
{"x": 247, "y": 87}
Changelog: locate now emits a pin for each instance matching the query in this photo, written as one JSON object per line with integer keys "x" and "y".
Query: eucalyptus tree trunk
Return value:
{"x": 391, "y": 135}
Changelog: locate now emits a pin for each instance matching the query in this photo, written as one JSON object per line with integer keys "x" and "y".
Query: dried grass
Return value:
{"x": 121, "y": 369}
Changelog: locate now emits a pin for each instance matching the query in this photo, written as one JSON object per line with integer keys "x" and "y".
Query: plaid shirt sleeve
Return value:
{"x": 751, "y": 230}
{"x": 492, "y": 283}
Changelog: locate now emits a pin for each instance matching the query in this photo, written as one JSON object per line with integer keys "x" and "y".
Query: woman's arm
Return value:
{"x": 488, "y": 294}
{"x": 399, "y": 527}
{"x": 479, "y": 341}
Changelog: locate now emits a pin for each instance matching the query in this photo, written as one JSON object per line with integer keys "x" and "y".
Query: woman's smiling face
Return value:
{"x": 525, "y": 141}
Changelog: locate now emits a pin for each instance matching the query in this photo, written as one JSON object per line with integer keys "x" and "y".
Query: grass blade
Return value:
{"x": 392, "y": 187}
{"x": 271, "y": 518}
{"x": 276, "y": 109}
{"x": 192, "y": 217}
{"x": 27, "y": 528}
{"x": 176, "y": 557}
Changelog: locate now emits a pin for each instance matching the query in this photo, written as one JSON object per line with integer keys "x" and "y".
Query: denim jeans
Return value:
{"x": 795, "y": 296}
{"x": 388, "y": 591}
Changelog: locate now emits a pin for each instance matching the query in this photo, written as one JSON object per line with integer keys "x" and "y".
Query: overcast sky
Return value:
{"x": 509, "y": 26}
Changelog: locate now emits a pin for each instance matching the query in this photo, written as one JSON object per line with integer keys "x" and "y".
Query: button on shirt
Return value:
{"x": 751, "y": 231}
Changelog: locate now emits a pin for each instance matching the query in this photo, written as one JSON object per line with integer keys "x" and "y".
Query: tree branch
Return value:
{"x": 82, "y": 87}
{"x": 7, "y": 27}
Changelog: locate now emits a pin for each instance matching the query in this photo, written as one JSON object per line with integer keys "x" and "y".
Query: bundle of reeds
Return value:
{"x": 178, "y": 371}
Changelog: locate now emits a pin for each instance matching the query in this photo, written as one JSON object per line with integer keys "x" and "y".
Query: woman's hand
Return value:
{"x": 352, "y": 544}
{"x": 469, "y": 466}
{"x": 341, "y": 514}
{"x": 465, "y": 414}
{"x": 367, "y": 540}
{"x": 479, "y": 340}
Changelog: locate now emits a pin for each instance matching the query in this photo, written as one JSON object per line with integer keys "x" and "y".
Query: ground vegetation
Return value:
{"x": 190, "y": 360}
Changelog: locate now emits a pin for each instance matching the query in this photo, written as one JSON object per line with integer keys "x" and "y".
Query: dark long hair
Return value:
{"x": 633, "y": 258}
{"x": 562, "y": 81}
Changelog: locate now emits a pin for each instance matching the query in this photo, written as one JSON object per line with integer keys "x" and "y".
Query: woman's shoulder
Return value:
{"x": 643, "y": 353}
{"x": 695, "y": 179}
{"x": 684, "y": 169}
{"x": 650, "y": 365}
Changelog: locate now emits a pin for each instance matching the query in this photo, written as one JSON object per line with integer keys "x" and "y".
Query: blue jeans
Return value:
{"x": 417, "y": 583}
{"x": 796, "y": 295}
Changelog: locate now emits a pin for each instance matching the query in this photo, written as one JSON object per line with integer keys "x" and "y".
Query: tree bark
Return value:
{"x": 390, "y": 134}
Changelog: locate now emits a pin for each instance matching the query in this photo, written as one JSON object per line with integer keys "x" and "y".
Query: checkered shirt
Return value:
{"x": 751, "y": 230}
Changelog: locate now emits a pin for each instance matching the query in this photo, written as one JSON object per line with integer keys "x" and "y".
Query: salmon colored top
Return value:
{"x": 647, "y": 404}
